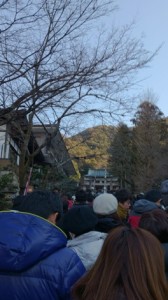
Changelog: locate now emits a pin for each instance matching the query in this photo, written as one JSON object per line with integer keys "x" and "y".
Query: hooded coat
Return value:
{"x": 107, "y": 223}
{"x": 35, "y": 262}
{"x": 140, "y": 206}
{"x": 88, "y": 246}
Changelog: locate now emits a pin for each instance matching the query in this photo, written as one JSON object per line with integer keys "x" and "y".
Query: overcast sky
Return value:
{"x": 151, "y": 17}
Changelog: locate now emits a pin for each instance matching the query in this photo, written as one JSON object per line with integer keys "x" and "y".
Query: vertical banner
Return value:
{"x": 28, "y": 181}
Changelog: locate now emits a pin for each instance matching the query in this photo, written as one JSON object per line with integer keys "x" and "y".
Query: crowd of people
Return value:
{"x": 110, "y": 246}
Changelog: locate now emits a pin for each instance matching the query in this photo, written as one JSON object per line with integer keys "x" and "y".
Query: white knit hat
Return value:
{"x": 105, "y": 204}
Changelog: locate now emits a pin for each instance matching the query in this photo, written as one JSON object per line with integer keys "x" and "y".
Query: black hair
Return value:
{"x": 123, "y": 195}
{"x": 156, "y": 222}
{"x": 41, "y": 203}
{"x": 153, "y": 195}
{"x": 81, "y": 196}
{"x": 17, "y": 201}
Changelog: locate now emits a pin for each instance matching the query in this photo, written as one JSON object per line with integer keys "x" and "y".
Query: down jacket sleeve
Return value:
{"x": 73, "y": 272}
{"x": 65, "y": 269}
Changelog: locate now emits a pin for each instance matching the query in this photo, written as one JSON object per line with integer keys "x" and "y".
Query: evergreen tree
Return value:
{"x": 120, "y": 163}
{"x": 149, "y": 138}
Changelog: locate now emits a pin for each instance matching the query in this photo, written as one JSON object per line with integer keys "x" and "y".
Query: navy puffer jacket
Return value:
{"x": 35, "y": 263}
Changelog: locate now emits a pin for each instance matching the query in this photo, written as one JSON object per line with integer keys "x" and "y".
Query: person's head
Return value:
{"x": 156, "y": 222}
{"x": 17, "y": 201}
{"x": 124, "y": 198}
{"x": 45, "y": 204}
{"x": 30, "y": 188}
{"x": 142, "y": 205}
{"x": 79, "y": 219}
{"x": 89, "y": 196}
{"x": 164, "y": 187}
{"x": 130, "y": 266}
{"x": 105, "y": 204}
{"x": 64, "y": 199}
{"x": 140, "y": 196}
{"x": 153, "y": 196}
{"x": 56, "y": 190}
{"x": 80, "y": 196}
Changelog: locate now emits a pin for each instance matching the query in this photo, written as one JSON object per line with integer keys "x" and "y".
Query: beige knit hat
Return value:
{"x": 105, "y": 204}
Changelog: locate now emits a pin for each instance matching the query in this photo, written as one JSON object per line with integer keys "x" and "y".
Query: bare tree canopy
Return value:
{"x": 53, "y": 62}
{"x": 58, "y": 63}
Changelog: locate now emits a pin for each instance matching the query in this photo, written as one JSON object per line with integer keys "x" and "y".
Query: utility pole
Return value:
{"x": 105, "y": 181}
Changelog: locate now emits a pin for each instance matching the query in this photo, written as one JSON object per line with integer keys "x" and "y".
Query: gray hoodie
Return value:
{"x": 143, "y": 205}
{"x": 88, "y": 246}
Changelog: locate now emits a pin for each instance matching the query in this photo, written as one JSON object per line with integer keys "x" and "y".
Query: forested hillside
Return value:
{"x": 91, "y": 147}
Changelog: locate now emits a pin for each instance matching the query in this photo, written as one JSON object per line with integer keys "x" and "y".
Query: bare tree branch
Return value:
{"x": 52, "y": 62}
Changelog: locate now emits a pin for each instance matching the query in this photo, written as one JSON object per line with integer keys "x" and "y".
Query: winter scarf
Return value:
{"x": 122, "y": 213}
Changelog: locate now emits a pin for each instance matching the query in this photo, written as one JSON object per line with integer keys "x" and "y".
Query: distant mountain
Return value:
{"x": 91, "y": 147}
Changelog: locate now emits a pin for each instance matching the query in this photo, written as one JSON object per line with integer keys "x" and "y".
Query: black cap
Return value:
{"x": 80, "y": 219}
{"x": 153, "y": 195}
